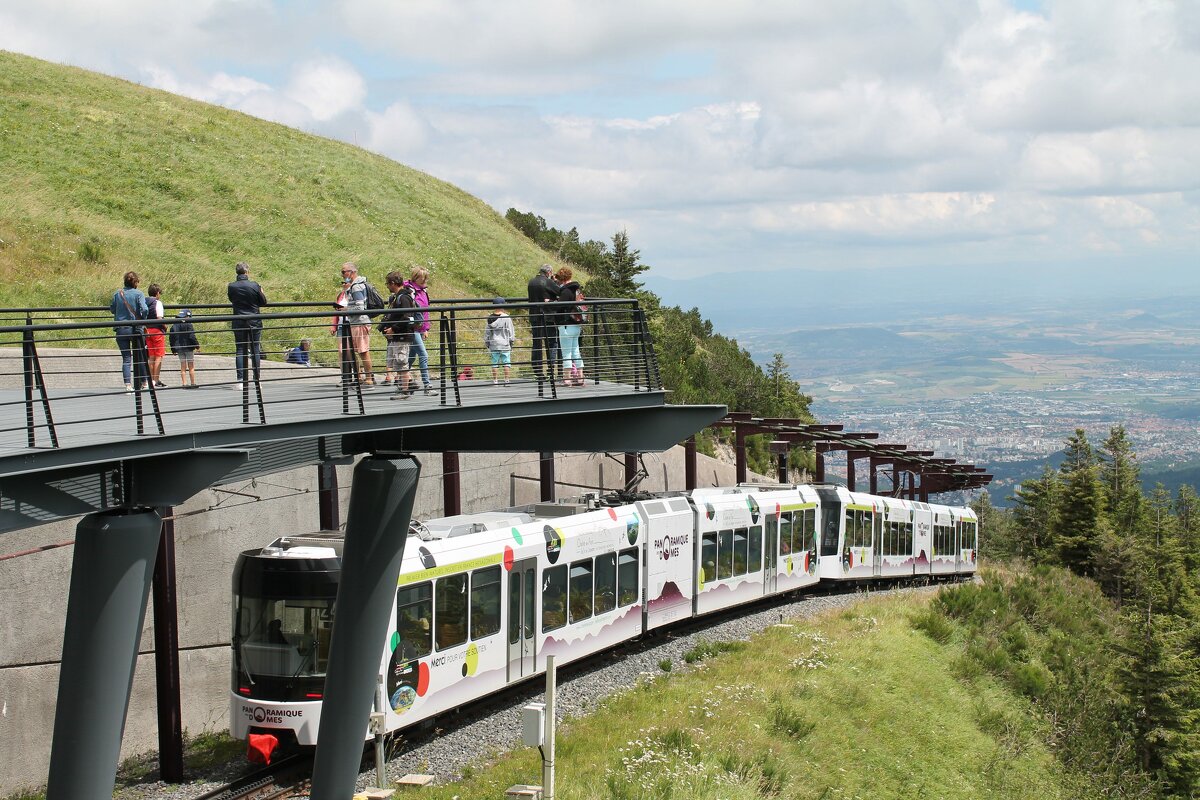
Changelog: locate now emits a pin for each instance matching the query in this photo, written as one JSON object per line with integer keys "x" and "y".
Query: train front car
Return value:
{"x": 283, "y": 607}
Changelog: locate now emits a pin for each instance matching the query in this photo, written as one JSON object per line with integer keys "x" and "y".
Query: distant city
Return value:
{"x": 996, "y": 382}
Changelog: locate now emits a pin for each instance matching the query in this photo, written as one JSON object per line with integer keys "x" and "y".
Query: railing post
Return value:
{"x": 27, "y": 369}
{"x": 453, "y": 347}
{"x": 443, "y": 338}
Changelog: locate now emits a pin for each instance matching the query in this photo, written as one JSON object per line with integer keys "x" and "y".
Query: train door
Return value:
{"x": 877, "y": 541}
{"x": 522, "y": 589}
{"x": 771, "y": 556}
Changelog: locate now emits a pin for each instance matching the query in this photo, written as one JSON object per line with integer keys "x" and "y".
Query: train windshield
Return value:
{"x": 284, "y": 637}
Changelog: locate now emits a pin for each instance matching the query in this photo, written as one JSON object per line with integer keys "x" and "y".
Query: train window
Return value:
{"x": 414, "y": 619}
{"x": 724, "y": 554}
{"x": 627, "y": 577}
{"x": 656, "y": 508}
{"x": 831, "y": 517}
{"x": 485, "y": 602}
{"x": 450, "y": 610}
{"x": 908, "y": 538}
{"x": 808, "y": 528}
{"x": 968, "y": 536}
{"x": 755, "y": 548}
{"x": 554, "y": 598}
{"x": 581, "y": 590}
{"x": 606, "y": 582}
{"x": 708, "y": 556}
{"x": 739, "y": 551}
{"x": 785, "y": 533}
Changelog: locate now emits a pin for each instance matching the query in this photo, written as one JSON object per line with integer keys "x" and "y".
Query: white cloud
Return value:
{"x": 853, "y": 131}
{"x": 327, "y": 87}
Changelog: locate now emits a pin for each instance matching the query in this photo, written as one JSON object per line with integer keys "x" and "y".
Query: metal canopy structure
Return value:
{"x": 915, "y": 474}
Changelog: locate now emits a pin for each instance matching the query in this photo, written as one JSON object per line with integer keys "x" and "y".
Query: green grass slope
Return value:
{"x": 100, "y": 176}
{"x": 854, "y": 704}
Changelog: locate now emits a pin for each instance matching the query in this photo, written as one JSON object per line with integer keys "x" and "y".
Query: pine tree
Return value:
{"x": 1078, "y": 506}
{"x": 624, "y": 265}
{"x": 1121, "y": 478}
{"x": 1034, "y": 509}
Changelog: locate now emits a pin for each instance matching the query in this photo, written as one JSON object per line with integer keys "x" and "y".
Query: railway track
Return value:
{"x": 281, "y": 779}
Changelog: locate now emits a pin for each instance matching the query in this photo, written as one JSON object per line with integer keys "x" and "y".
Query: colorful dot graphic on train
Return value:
{"x": 553, "y": 543}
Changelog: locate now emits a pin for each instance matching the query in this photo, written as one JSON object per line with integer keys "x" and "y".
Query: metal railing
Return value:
{"x": 70, "y": 372}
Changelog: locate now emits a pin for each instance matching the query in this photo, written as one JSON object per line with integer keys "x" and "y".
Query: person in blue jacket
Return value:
{"x": 128, "y": 304}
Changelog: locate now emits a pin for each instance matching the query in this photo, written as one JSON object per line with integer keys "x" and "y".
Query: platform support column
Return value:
{"x": 874, "y": 467}
{"x": 850, "y": 471}
{"x": 327, "y": 497}
{"x": 819, "y": 461}
{"x": 546, "y": 476}
{"x": 631, "y": 467}
{"x": 166, "y": 655}
{"x": 739, "y": 453}
{"x": 381, "y": 502}
{"x": 451, "y": 485}
{"x": 110, "y": 583}
{"x": 689, "y": 463}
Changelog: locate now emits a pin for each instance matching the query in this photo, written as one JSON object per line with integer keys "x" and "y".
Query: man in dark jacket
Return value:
{"x": 543, "y": 289}
{"x": 247, "y": 298}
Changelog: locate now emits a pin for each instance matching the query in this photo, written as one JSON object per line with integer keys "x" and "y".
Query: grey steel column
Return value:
{"x": 110, "y": 583}
{"x": 381, "y": 502}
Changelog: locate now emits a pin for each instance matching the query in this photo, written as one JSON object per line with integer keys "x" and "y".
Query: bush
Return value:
{"x": 933, "y": 625}
{"x": 1031, "y": 680}
{"x": 706, "y": 649}
{"x": 665, "y": 665}
{"x": 91, "y": 251}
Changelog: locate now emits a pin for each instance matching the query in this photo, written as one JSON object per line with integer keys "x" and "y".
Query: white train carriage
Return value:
{"x": 482, "y": 599}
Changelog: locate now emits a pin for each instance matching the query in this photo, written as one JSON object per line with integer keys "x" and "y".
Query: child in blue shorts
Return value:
{"x": 499, "y": 338}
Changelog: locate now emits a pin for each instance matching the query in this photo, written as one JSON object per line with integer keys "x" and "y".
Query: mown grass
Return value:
{"x": 856, "y": 704}
{"x": 102, "y": 176}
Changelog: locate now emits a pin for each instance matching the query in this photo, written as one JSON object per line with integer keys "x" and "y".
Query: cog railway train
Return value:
{"x": 483, "y": 598}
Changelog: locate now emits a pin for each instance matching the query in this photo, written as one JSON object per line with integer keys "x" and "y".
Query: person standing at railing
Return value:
{"x": 128, "y": 304}
{"x": 419, "y": 281}
{"x": 500, "y": 336}
{"x": 543, "y": 289}
{"x": 156, "y": 334}
{"x": 397, "y": 327}
{"x": 354, "y": 331}
{"x": 247, "y": 298}
{"x": 570, "y": 326}
{"x": 184, "y": 345}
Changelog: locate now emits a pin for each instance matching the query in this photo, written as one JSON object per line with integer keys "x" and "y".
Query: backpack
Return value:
{"x": 580, "y": 314}
{"x": 374, "y": 298}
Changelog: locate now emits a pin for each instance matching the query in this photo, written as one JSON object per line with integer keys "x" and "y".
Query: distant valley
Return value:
{"x": 990, "y": 378}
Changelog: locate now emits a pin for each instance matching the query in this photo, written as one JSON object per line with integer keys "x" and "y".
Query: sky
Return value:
{"x": 724, "y": 137}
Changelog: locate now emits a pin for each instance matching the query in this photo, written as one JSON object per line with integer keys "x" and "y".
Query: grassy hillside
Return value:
{"x": 101, "y": 176}
{"x": 856, "y": 704}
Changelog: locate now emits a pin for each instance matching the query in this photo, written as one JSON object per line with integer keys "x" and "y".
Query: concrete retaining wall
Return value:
{"x": 210, "y": 531}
